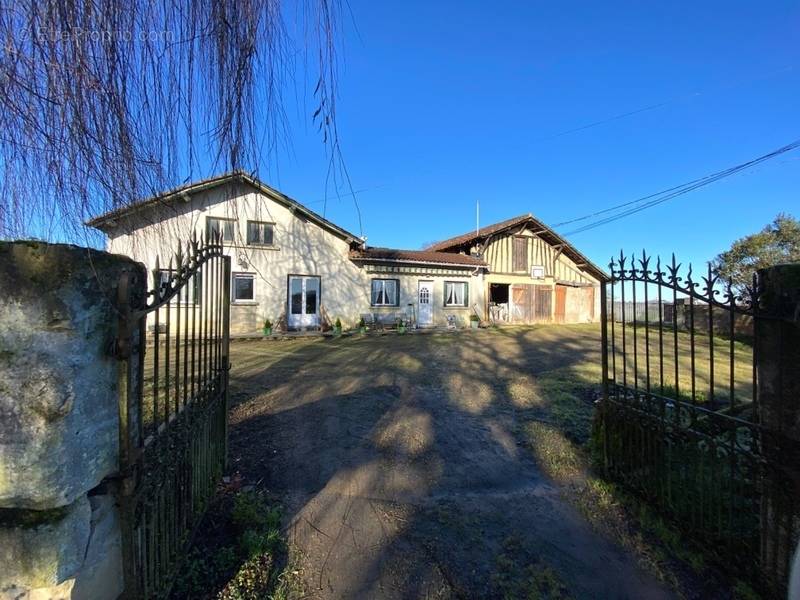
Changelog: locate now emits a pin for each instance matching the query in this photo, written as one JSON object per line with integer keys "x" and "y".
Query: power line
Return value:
{"x": 639, "y": 204}
{"x": 667, "y": 102}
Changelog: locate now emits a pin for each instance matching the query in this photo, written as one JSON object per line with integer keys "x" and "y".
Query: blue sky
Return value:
{"x": 443, "y": 104}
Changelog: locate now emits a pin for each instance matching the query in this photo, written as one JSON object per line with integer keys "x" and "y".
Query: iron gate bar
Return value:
{"x": 173, "y": 431}
{"x": 645, "y": 261}
{"x": 703, "y": 460}
{"x": 633, "y": 328}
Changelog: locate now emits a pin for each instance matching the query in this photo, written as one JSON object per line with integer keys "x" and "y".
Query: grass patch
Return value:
{"x": 663, "y": 359}
{"x": 565, "y": 455}
{"x": 560, "y": 437}
{"x": 517, "y": 575}
{"x": 240, "y": 553}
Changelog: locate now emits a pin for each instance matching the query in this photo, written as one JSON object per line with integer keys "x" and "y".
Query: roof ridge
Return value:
{"x": 485, "y": 230}
{"x": 236, "y": 175}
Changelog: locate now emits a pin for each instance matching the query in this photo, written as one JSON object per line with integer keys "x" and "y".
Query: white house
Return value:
{"x": 296, "y": 268}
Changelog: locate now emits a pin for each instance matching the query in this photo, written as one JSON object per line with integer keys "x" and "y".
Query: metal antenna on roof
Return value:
{"x": 477, "y": 217}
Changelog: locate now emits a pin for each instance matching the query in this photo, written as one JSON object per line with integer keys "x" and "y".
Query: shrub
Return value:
{"x": 267, "y": 324}
{"x": 253, "y": 542}
{"x": 338, "y": 324}
{"x": 251, "y": 512}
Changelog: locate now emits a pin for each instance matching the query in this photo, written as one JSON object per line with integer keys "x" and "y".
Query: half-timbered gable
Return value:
{"x": 533, "y": 274}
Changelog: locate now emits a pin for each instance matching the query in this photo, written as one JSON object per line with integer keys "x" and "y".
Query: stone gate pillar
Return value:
{"x": 777, "y": 356}
{"x": 59, "y": 432}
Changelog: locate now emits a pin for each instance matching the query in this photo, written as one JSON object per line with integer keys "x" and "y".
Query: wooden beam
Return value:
{"x": 560, "y": 249}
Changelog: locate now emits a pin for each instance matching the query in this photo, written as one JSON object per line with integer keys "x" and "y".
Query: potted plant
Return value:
{"x": 337, "y": 327}
{"x": 401, "y": 326}
{"x": 474, "y": 321}
{"x": 267, "y": 329}
{"x": 362, "y": 326}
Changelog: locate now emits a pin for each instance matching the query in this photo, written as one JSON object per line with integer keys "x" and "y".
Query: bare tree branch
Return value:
{"x": 105, "y": 102}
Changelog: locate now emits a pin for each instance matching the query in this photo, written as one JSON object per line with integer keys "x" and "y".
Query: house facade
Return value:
{"x": 301, "y": 271}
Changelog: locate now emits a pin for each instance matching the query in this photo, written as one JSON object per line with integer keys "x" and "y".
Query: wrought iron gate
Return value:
{"x": 173, "y": 346}
{"x": 679, "y": 421}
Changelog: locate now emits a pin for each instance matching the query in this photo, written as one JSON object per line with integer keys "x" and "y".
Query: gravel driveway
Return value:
{"x": 402, "y": 468}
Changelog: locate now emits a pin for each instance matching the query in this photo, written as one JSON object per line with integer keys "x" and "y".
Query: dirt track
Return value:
{"x": 400, "y": 464}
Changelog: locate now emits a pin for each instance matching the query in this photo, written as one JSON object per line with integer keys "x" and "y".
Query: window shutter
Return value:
{"x": 520, "y": 258}
{"x": 397, "y": 292}
{"x": 466, "y": 294}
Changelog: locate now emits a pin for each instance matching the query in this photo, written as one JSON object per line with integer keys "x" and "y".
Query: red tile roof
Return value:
{"x": 415, "y": 256}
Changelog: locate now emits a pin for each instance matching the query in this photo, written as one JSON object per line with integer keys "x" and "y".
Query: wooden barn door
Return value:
{"x": 561, "y": 303}
{"x": 531, "y": 303}
{"x": 521, "y": 299}
{"x": 544, "y": 304}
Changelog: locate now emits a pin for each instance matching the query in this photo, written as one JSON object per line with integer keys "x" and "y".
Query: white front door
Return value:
{"x": 425, "y": 303}
{"x": 303, "y": 301}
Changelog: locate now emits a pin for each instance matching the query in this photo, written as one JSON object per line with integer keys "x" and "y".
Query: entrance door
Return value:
{"x": 425, "y": 304}
{"x": 303, "y": 301}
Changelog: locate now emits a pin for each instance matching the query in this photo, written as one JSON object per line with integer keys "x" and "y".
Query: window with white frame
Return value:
{"x": 385, "y": 292}
{"x": 244, "y": 287}
{"x": 216, "y": 226}
{"x": 259, "y": 233}
{"x": 456, "y": 293}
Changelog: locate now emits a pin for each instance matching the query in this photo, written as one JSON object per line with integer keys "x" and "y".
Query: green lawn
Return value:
{"x": 632, "y": 366}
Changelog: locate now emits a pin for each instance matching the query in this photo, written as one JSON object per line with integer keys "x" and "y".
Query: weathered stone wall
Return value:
{"x": 59, "y": 528}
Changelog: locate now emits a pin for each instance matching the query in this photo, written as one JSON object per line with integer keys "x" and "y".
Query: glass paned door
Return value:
{"x": 304, "y": 295}
{"x": 425, "y": 304}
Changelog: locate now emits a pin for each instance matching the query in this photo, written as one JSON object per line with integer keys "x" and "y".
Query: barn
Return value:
{"x": 533, "y": 275}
